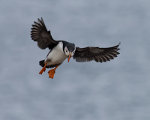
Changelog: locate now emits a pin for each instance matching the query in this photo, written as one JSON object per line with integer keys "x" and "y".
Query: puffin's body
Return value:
{"x": 56, "y": 56}
{"x": 60, "y": 50}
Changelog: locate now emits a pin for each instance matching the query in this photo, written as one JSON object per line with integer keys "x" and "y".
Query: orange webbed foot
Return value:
{"x": 51, "y": 73}
{"x": 43, "y": 69}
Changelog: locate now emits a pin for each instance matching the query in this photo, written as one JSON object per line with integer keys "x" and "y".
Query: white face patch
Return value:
{"x": 66, "y": 51}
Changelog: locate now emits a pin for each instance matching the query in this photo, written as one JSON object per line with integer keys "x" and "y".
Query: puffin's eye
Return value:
{"x": 66, "y": 50}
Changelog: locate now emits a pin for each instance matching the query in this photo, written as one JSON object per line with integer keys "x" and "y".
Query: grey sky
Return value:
{"x": 116, "y": 90}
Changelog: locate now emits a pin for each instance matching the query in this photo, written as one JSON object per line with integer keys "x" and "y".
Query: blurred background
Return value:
{"x": 116, "y": 90}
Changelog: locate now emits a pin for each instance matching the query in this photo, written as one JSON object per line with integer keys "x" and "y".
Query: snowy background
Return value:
{"x": 116, "y": 90}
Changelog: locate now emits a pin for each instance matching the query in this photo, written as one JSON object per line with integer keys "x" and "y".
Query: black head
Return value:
{"x": 69, "y": 49}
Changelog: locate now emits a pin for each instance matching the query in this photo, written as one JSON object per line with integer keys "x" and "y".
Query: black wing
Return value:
{"x": 43, "y": 37}
{"x": 96, "y": 53}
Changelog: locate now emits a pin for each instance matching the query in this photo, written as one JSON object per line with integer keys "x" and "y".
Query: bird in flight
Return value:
{"x": 61, "y": 50}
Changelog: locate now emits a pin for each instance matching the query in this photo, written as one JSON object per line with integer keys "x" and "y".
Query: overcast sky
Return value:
{"x": 116, "y": 90}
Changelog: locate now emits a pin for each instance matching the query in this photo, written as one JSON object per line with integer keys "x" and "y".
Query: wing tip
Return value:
{"x": 37, "y": 27}
{"x": 39, "y": 23}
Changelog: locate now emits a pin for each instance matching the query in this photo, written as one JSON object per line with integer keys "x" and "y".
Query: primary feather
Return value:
{"x": 42, "y": 36}
{"x": 95, "y": 53}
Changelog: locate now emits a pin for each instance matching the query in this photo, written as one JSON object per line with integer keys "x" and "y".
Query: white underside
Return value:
{"x": 56, "y": 56}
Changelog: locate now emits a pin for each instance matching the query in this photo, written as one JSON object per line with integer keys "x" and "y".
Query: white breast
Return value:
{"x": 56, "y": 56}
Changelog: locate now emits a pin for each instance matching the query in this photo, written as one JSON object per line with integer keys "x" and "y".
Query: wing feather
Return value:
{"x": 43, "y": 37}
{"x": 95, "y": 53}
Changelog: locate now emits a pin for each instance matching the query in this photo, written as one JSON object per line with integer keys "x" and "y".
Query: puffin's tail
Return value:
{"x": 41, "y": 63}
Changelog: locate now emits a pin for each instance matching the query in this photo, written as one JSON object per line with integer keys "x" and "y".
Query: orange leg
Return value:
{"x": 52, "y": 72}
{"x": 43, "y": 69}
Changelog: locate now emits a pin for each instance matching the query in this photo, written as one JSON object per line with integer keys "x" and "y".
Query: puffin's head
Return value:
{"x": 69, "y": 50}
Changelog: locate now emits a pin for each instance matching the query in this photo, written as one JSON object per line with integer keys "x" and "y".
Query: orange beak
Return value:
{"x": 69, "y": 57}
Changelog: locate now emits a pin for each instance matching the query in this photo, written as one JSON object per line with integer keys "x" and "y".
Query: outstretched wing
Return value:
{"x": 96, "y": 53}
{"x": 43, "y": 37}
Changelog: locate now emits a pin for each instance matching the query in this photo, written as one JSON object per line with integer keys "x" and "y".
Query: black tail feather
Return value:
{"x": 42, "y": 63}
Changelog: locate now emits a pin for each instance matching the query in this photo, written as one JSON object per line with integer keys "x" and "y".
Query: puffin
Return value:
{"x": 61, "y": 50}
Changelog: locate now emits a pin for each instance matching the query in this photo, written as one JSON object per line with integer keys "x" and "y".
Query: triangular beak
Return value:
{"x": 69, "y": 58}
